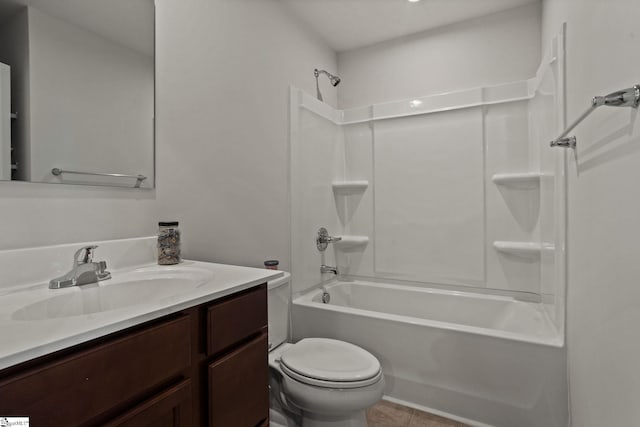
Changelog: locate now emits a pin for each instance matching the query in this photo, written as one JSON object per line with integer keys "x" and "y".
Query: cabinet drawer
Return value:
{"x": 238, "y": 386}
{"x": 77, "y": 388}
{"x": 237, "y": 318}
{"x": 170, "y": 408}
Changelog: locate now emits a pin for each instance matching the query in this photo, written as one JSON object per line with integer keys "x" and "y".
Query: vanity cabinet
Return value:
{"x": 238, "y": 376}
{"x": 206, "y": 365}
{"x": 170, "y": 408}
{"x": 237, "y": 396}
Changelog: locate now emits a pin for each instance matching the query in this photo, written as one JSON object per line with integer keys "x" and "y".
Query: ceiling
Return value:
{"x": 128, "y": 22}
{"x": 351, "y": 24}
{"x": 342, "y": 24}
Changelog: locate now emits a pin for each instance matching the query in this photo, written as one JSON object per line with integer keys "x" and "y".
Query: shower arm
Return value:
{"x": 317, "y": 74}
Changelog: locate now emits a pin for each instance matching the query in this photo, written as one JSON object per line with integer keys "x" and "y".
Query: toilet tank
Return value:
{"x": 278, "y": 294}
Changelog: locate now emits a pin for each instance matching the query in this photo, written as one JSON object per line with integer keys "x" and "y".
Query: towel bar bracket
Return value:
{"x": 629, "y": 97}
{"x": 566, "y": 142}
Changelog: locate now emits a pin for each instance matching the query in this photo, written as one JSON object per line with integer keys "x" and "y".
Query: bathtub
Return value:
{"x": 481, "y": 359}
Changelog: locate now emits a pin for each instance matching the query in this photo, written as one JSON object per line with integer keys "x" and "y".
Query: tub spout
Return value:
{"x": 328, "y": 269}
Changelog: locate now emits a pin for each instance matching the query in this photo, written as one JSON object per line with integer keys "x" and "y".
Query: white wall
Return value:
{"x": 91, "y": 103}
{"x": 604, "y": 237}
{"x": 491, "y": 50}
{"x": 224, "y": 70}
{"x": 44, "y": 214}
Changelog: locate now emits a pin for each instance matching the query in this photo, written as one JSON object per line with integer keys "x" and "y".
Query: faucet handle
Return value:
{"x": 323, "y": 239}
{"x": 84, "y": 255}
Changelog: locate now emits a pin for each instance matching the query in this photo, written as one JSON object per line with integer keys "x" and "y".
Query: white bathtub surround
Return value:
{"x": 446, "y": 188}
{"x": 36, "y": 320}
{"x": 442, "y": 102}
{"x": 488, "y": 359}
{"x": 464, "y": 195}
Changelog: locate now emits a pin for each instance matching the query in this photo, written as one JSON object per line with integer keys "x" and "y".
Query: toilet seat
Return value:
{"x": 329, "y": 363}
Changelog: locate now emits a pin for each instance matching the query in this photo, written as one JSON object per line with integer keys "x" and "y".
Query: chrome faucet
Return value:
{"x": 84, "y": 270}
{"x": 328, "y": 269}
{"x": 323, "y": 239}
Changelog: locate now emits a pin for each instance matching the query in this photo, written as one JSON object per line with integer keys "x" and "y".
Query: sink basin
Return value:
{"x": 126, "y": 289}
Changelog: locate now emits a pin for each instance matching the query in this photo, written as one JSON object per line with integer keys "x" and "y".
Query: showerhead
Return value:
{"x": 334, "y": 80}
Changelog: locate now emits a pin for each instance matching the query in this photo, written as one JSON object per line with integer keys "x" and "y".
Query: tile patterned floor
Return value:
{"x": 387, "y": 414}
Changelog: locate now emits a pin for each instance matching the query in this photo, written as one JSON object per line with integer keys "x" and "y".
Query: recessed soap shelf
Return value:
{"x": 351, "y": 242}
{"x": 526, "y": 180}
{"x": 523, "y": 249}
{"x": 349, "y": 187}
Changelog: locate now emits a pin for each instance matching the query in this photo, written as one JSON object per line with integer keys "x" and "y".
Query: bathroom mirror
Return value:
{"x": 77, "y": 92}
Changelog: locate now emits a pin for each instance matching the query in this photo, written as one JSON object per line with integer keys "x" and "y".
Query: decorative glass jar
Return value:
{"x": 168, "y": 243}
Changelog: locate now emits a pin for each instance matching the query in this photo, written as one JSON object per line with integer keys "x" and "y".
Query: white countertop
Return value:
{"x": 23, "y": 340}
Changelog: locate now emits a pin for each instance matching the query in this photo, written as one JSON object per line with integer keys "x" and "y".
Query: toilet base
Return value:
{"x": 277, "y": 418}
{"x": 356, "y": 419}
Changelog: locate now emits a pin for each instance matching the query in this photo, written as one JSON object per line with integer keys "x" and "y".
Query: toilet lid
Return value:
{"x": 327, "y": 360}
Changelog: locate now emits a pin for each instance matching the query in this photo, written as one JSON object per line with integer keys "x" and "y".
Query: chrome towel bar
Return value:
{"x": 623, "y": 98}
{"x": 139, "y": 178}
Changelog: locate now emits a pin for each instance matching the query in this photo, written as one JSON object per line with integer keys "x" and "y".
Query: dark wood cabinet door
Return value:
{"x": 238, "y": 386}
{"x": 235, "y": 319}
{"x": 170, "y": 408}
{"x": 75, "y": 389}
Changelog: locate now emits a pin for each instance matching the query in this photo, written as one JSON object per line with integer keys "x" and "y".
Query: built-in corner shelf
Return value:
{"x": 349, "y": 187}
{"x": 527, "y": 180}
{"x": 523, "y": 249}
{"x": 351, "y": 242}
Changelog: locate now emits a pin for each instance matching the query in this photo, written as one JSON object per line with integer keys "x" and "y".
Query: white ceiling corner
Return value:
{"x": 351, "y": 24}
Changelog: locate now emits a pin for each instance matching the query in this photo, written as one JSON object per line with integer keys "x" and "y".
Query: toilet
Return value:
{"x": 316, "y": 382}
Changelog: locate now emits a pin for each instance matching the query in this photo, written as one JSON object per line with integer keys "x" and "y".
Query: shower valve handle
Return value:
{"x": 323, "y": 239}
